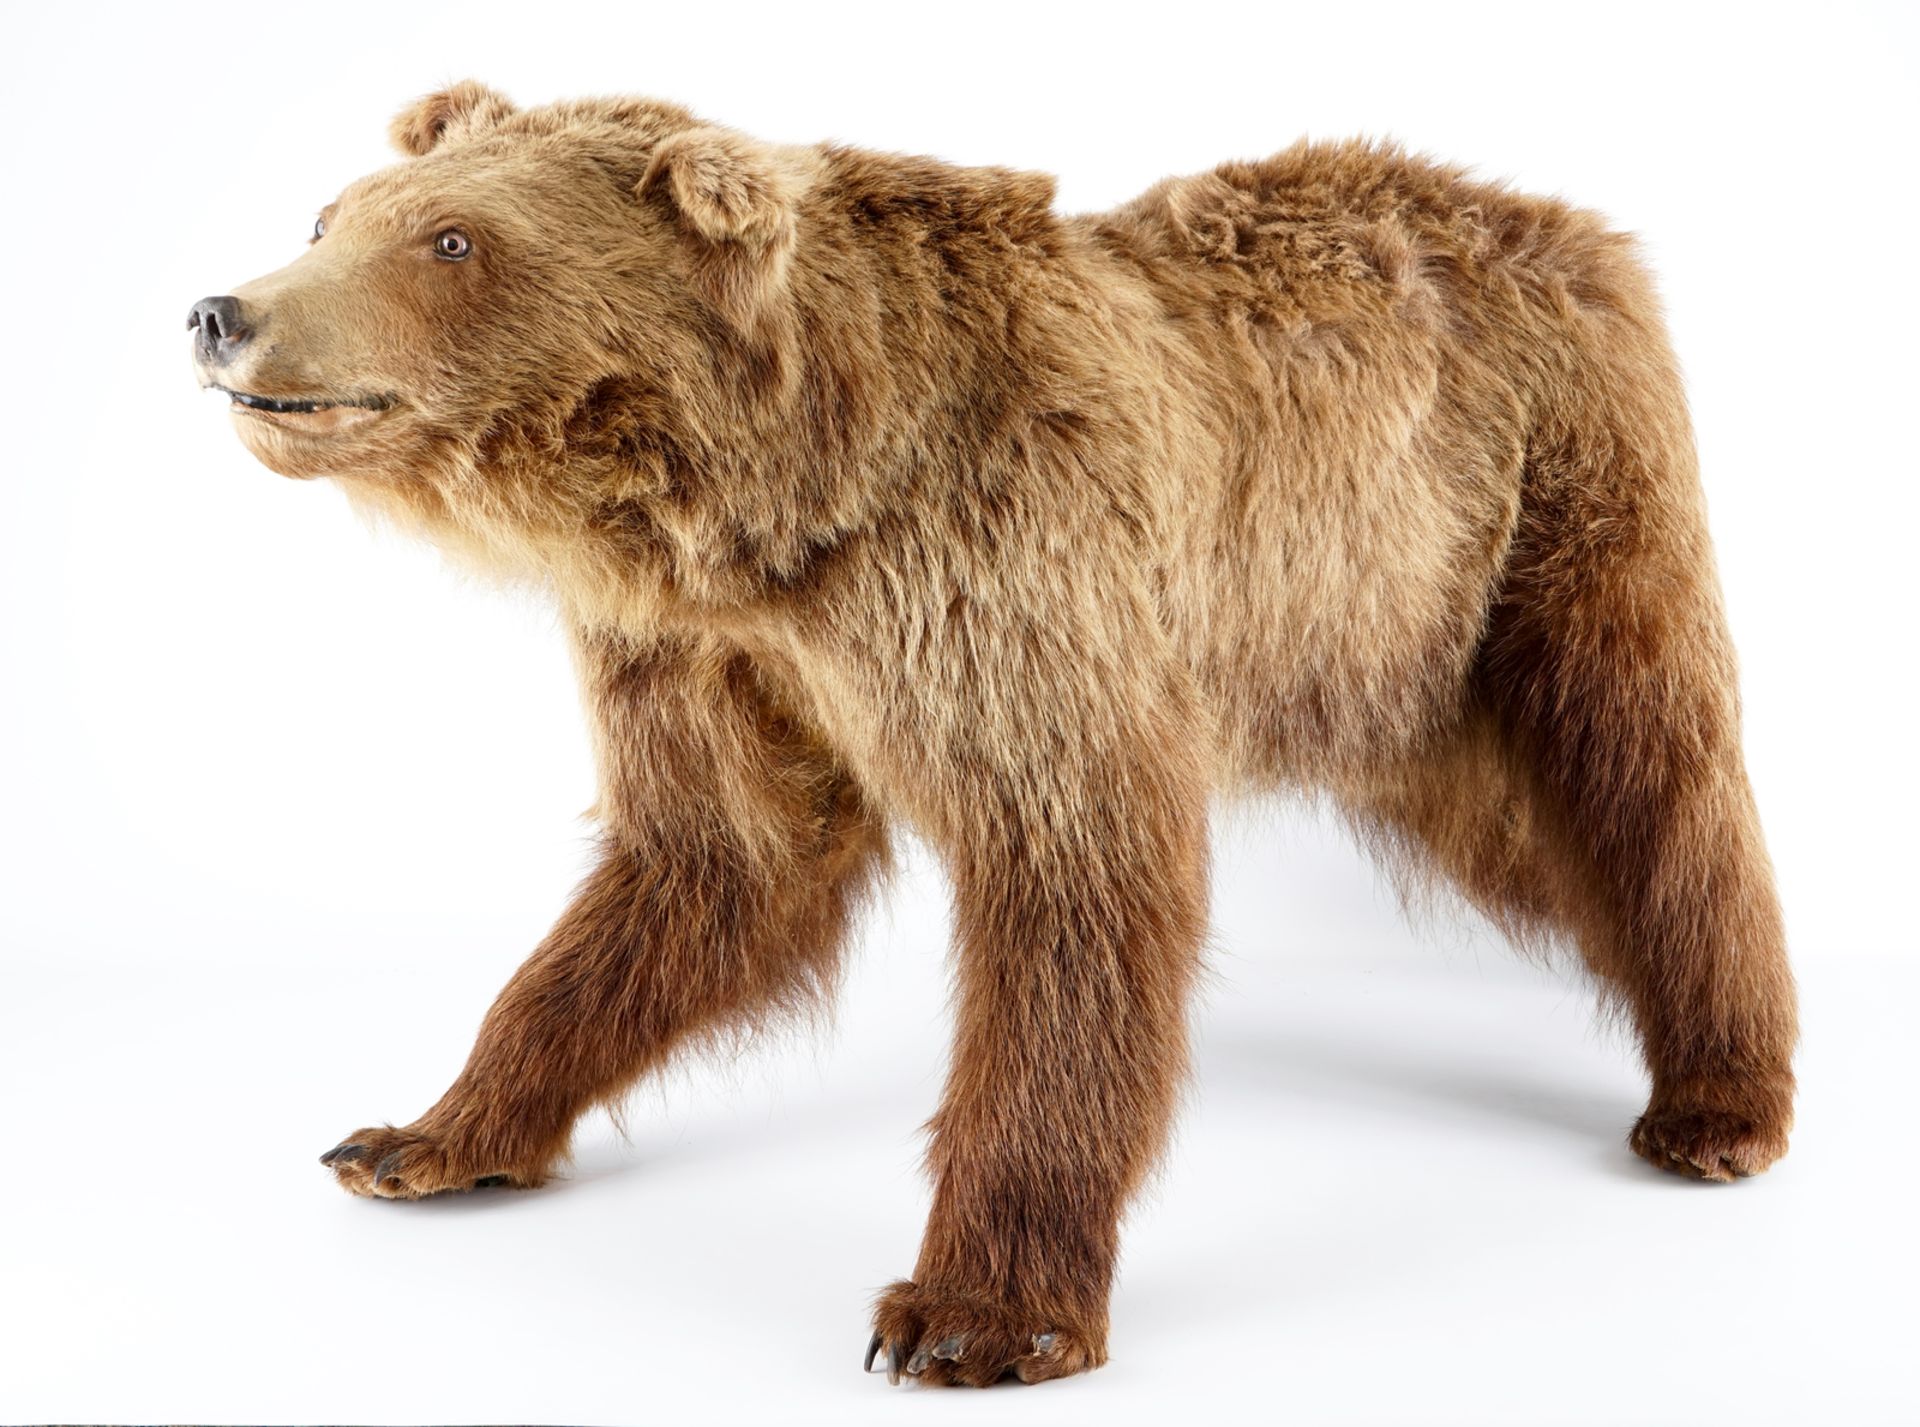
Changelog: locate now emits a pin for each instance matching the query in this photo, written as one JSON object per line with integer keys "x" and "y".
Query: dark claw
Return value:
{"x": 873, "y": 1348}
{"x": 917, "y": 1364}
{"x": 896, "y": 1360}
{"x": 1043, "y": 1342}
{"x": 948, "y": 1349}
{"x": 388, "y": 1168}
{"x": 490, "y": 1181}
{"x": 343, "y": 1152}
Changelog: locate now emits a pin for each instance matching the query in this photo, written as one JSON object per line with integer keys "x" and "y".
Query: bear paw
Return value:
{"x": 1718, "y": 1145}
{"x": 949, "y": 1339}
{"x": 387, "y": 1163}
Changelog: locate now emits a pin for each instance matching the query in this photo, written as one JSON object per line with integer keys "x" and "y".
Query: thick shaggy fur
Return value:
{"x": 879, "y": 494}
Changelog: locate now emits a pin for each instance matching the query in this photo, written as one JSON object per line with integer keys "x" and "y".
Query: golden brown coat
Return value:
{"x": 877, "y": 493}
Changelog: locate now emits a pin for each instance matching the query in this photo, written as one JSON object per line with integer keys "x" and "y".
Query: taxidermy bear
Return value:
{"x": 877, "y": 494}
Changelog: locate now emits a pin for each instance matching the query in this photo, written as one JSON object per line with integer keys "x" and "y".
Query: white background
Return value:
{"x": 282, "y": 802}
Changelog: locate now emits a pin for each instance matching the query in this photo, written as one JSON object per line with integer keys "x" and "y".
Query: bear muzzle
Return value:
{"x": 222, "y": 328}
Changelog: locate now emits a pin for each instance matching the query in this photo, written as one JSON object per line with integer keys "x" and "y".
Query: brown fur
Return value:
{"x": 876, "y": 492}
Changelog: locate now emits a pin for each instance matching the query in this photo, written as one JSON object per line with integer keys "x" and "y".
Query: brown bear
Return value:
{"x": 877, "y": 494}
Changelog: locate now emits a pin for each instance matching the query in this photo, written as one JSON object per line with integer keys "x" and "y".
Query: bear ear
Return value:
{"x": 451, "y": 113}
{"x": 734, "y": 201}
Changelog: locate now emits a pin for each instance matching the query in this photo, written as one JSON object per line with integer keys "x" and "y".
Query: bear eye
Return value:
{"x": 319, "y": 229}
{"x": 452, "y": 245}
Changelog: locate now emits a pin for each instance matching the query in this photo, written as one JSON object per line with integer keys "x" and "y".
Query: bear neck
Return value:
{"x": 930, "y": 319}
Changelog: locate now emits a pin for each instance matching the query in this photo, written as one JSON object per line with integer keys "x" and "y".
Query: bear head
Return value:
{"x": 514, "y": 262}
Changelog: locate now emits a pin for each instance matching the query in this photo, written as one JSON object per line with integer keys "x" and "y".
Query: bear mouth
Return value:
{"x": 315, "y": 414}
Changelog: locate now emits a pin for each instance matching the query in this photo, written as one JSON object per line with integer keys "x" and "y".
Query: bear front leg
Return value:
{"x": 657, "y": 947}
{"x": 1078, "y": 939}
{"x": 735, "y": 850}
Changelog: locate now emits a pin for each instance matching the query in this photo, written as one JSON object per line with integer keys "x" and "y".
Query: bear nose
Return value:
{"x": 219, "y": 328}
